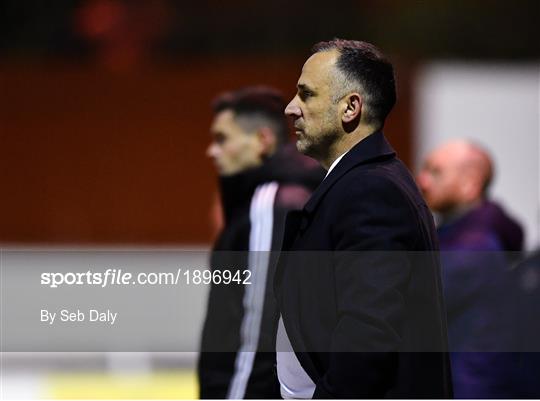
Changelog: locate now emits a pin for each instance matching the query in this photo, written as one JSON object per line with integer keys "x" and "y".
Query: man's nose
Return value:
{"x": 211, "y": 151}
{"x": 292, "y": 109}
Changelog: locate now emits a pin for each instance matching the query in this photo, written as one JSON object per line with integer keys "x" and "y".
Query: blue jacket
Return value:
{"x": 479, "y": 295}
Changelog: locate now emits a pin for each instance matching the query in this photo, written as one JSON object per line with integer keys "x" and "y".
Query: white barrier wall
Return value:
{"x": 496, "y": 105}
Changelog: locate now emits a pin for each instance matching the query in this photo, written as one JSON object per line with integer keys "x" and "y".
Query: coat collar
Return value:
{"x": 371, "y": 148}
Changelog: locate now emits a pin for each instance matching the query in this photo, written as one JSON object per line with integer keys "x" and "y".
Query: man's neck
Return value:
{"x": 345, "y": 143}
{"x": 458, "y": 211}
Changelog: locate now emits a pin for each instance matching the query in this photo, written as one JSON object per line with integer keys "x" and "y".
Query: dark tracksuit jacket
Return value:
{"x": 241, "y": 317}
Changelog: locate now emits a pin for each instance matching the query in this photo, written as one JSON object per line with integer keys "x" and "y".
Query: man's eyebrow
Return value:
{"x": 303, "y": 87}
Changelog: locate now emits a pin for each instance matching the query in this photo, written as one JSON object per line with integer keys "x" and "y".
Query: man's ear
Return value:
{"x": 267, "y": 141}
{"x": 352, "y": 108}
{"x": 472, "y": 186}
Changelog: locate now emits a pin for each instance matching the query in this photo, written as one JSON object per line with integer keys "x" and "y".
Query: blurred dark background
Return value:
{"x": 104, "y": 106}
{"x": 175, "y": 30}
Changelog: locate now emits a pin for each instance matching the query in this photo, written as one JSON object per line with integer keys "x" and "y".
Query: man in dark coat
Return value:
{"x": 479, "y": 241}
{"x": 261, "y": 178}
{"x": 365, "y": 318}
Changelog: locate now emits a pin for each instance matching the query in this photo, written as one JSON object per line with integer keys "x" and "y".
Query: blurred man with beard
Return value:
{"x": 477, "y": 236}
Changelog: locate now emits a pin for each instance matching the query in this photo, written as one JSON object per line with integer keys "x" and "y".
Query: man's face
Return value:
{"x": 233, "y": 150}
{"x": 440, "y": 180}
{"x": 313, "y": 109}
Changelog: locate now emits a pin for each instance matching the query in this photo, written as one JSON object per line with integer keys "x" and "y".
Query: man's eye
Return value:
{"x": 305, "y": 94}
{"x": 219, "y": 139}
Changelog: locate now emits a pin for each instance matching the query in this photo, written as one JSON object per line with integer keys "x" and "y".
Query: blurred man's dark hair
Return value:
{"x": 256, "y": 106}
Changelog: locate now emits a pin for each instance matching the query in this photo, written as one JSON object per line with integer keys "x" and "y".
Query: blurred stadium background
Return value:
{"x": 104, "y": 115}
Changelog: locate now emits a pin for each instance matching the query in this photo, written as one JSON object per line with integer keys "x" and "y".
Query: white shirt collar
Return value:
{"x": 334, "y": 164}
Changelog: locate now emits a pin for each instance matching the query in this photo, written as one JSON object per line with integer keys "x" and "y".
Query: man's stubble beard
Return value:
{"x": 318, "y": 146}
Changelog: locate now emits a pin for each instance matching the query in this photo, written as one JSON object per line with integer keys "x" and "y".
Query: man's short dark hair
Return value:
{"x": 364, "y": 64}
{"x": 256, "y": 106}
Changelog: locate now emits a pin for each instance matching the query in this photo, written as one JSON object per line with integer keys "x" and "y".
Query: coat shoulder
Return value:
{"x": 390, "y": 181}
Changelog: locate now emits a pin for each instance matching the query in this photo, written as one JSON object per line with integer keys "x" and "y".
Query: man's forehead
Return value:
{"x": 445, "y": 157}
{"x": 318, "y": 68}
{"x": 437, "y": 156}
{"x": 223, "y": 117}
{"x": 454, "y": 152}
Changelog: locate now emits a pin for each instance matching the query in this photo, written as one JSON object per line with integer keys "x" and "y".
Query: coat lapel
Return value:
{"x": 292, "y": 226}
{"x": 373, "y": 147}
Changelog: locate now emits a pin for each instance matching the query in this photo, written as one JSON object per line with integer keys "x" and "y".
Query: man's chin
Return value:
{"x": 306, "y": 149}
{"x": 301, "y": 146}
